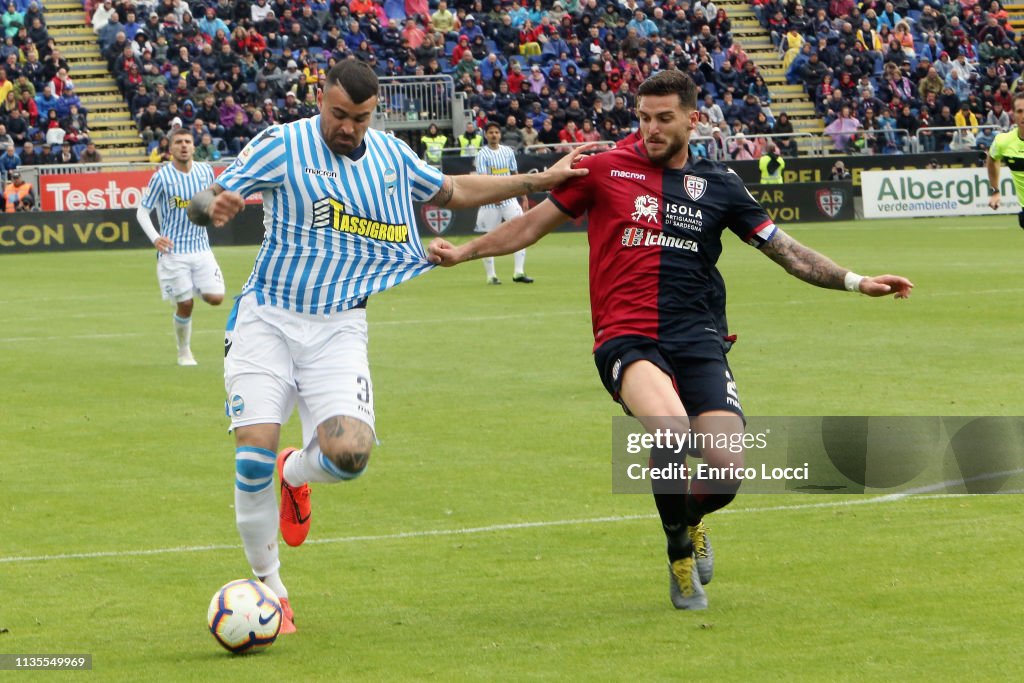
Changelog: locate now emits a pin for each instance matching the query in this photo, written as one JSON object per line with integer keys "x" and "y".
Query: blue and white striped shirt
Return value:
{"x": 337, "y": 230}
{"x": 169, "y": 192}
{"x": 501, "y": 161}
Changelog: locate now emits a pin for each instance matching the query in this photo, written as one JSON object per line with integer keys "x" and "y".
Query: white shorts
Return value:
{"x": 180, "y": 274}
{"x": 275, "y": 359}
{"x": 490, "y": 217}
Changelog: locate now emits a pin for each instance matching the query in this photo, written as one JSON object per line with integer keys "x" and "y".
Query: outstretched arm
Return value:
{"x": 469, "y": 191}
{"x": 516, "y": 234}
{"x": 819, "y": 270}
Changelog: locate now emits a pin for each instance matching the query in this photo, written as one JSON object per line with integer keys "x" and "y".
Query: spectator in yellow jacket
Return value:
{"x": 965, "y": 118}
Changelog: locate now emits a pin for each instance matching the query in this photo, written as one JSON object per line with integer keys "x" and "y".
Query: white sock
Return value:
{"x": 183, "y": 332}
{"x": 520, "y": 262}
{"x": 256, "y": 509}
{"x": 489, "y": 267}
{"x": 273, "y": 581}
{"x": 305, "y": 466}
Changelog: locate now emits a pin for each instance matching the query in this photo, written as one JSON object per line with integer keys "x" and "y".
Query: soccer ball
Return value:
{"x": 245, "y": 616}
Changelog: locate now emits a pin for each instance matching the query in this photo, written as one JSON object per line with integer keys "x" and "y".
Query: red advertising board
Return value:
{"x": 100, "y": 190}
{"x": 83, "y": 191}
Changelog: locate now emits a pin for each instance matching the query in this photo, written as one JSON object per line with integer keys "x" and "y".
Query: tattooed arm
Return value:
{"x": 804, "y": 263}
{"x": 469, "y": 191}
{"x": 819, "y": 270}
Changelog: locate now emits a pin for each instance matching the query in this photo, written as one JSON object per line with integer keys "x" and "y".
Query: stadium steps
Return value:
{"x": 1016, "y": 18}
{"x": 757, "y": 43}
{"x": 85, "y": 67}
{"x": 61, "y": 6}
{"x": 110, "y": 124}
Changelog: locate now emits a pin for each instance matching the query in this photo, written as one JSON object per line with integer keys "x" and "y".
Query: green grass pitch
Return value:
{"x": 483, "y": 543}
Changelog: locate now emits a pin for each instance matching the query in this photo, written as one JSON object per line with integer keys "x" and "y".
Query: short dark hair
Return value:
{"x": 356, "y": 78}
{"x": 671, "y": 82}
{"x": 491, "y": 124}
{"x": 180, "y": 131}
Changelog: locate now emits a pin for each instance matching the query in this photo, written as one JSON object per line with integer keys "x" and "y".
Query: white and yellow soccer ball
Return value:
{"x": 245, "y": 616}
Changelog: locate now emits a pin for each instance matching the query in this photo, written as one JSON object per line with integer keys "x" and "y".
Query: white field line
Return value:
{"x": 496, "y": 528}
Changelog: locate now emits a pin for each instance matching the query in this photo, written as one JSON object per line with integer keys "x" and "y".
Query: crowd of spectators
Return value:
{"x": 897, "y": 75}
{"x": 42, "y": 120}
{"x": 555, "y": 70}
{"x": 560, "y": 71}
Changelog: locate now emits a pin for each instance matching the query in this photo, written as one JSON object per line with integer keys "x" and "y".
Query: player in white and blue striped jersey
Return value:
{"x": 338, "y": 210}
{"x": 497, "y": 159}
{"x": 185, "y": 262}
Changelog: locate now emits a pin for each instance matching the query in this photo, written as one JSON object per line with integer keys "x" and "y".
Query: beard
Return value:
{"x": 671, "y": 148}
{"x": 338, "y": 143}
{"x": 341, "y": 147}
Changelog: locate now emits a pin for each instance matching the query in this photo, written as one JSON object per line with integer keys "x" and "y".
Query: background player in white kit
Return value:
{"x": 497, "y": 159}
{"x": 185, "y": 261}
{"x": 340, "y": 226}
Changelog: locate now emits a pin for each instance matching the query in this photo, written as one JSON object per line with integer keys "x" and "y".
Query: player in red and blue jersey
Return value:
{"x": 655, "y": 225}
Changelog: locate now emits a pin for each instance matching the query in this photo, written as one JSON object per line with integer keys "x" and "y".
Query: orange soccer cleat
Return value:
{"x": 295, "y": 509}
{"x": 287, "y": 618}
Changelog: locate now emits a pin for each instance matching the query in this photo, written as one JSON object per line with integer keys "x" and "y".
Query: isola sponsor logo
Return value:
{"x": 330, "y": 213}
{"x": 672, "y": 208}
{"x": 176, "y": 202}
{"x": 683, "y": 217}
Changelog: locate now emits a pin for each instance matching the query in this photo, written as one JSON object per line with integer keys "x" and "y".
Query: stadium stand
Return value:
{"x": 109, "y": 125}
{"x": 822, "y": 75}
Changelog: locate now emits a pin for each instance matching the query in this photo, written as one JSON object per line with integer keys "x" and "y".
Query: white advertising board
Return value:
{"x": 934, "y": 192}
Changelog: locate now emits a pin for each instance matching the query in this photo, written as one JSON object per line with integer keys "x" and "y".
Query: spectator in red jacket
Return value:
{"x": 570, "y": 135}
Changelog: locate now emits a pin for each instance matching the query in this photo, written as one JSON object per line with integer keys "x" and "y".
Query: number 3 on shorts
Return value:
{"x": 363, "y": 395}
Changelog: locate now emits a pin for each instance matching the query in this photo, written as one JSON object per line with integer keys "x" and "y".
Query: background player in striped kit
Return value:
{"x": 340, "y": 226}
{"x": 497, "y": 159}
{"x": 655, "y": 223}
{"x": 185, "y": 261}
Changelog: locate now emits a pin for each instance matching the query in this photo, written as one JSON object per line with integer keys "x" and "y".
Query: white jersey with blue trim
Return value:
{"x": 337, "y": 229}
{"x": 169, "y": 192}
{"x": 501, "y": 161}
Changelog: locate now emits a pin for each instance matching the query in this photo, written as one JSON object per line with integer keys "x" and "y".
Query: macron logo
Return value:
{"x": 628, "y": 175}
{"x": 320, "y": 172}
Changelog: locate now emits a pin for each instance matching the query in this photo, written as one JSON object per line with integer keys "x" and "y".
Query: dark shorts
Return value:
{"x": 703, "y": 384}
{"x": 1020, "y": 218}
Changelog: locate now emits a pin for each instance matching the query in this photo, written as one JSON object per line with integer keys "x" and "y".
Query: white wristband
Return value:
{"x": 852, "y": 282}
